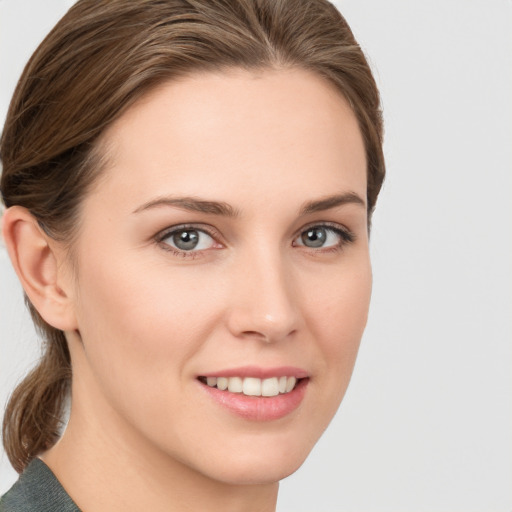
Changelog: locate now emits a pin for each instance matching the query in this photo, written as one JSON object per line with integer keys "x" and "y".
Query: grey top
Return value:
{"x": 37, "y": 489}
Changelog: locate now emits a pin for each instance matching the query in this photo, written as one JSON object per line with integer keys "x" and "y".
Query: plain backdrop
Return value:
{"x": 427, "y": 421}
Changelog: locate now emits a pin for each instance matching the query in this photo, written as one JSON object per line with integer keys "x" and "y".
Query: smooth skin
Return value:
{"x": 145, "y": 314}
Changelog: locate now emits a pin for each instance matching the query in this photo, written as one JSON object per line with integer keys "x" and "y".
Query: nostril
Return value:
{"x": 256, "y": 334}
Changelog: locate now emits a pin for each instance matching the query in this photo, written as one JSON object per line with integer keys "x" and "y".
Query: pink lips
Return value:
{"x": 256, "y": 408}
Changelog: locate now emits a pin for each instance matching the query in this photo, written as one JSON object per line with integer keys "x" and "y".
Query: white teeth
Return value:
{"x": 270, "y": 387}
{"x": 252, "y": 386}
{"x": 290, "y": 384}
{"x": 235, "y": 384}
{"x": 222, "y": 383}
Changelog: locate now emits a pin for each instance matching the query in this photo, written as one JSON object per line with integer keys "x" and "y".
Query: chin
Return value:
{"x": 258, "y": 473}
{"x": 260, "y": 466}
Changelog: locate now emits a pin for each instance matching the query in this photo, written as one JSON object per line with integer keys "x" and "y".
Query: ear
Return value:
{"x": 38, "y": 261}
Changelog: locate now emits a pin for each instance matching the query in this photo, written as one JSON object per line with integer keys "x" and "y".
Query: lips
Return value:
{"x": 257, "y": 394}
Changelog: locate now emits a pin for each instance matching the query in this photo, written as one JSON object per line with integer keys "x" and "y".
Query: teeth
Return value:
{"x": 282, "y": 384}
{"x": 222, "y": 383}
{"x": 290, "y": 384}
{"x": 252, "y": 386}
{"x": 270, "y": 387}
{"x": 235, "y": 384}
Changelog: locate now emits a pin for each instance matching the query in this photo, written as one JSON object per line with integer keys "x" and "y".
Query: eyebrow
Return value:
{"x": 192, "y": 204}
{"x": 329, "y": 202}
{"x": 224, "y": 209}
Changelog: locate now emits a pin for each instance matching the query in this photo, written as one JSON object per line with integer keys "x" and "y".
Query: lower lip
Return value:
{"x": 259, "y": 408}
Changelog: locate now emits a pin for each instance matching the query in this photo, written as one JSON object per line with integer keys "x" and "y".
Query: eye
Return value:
{"x": 187, "y": 239}
{"x": 317, "y": 237}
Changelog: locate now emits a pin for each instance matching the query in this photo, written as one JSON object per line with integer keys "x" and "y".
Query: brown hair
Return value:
{"x": 98, "y": 60}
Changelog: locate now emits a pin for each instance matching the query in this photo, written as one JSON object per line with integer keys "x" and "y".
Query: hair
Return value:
{"x": 100, "y": 58}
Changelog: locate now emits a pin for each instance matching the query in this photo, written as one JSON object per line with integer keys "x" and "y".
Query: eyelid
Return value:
{"x": 209, "y": 230}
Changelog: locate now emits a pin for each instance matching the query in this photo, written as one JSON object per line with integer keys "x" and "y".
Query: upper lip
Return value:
{"x": 259, "y": 372}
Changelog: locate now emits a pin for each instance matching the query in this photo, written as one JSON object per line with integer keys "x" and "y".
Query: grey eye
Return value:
{"x": 314, "y": 237}
{"x": 186, "y": 239}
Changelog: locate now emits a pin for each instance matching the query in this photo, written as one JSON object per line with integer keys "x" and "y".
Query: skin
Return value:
{"x": 143, "y": 321}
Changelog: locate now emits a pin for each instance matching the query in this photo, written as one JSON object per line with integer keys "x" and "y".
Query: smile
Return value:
{"x": 272, "y": 395}
{"x": 252, "y": 386}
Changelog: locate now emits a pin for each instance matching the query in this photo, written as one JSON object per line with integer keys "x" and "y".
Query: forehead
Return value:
{"x": 224, "y": 133}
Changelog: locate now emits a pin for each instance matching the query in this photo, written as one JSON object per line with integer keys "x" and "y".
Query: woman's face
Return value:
{"x": 225, "y": 245}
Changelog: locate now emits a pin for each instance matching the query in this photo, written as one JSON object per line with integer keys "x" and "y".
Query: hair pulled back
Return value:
{"x": 98, "y": 60}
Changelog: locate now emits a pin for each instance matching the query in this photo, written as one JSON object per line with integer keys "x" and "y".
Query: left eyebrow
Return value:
{"x": 329, "y": 202}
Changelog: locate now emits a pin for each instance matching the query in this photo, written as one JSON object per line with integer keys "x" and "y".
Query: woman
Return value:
{"x": 189, "y": 187}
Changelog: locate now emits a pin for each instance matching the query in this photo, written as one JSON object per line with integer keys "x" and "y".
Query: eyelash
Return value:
{"x": 346, "y": 237}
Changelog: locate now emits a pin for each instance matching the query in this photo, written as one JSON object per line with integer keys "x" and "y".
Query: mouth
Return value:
{"x": 257, "y": 394}
{"x": 253, "y": 386}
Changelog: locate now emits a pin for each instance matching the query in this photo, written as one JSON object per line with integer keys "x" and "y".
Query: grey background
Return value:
{"x": 427, "y": 421}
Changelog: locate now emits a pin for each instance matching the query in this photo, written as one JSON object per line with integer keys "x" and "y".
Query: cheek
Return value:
{"x": 139, "y": 328}
{"x": 145, "y": 299}
{"x": 338, "y": 316}
{"x": 338, "y": 311}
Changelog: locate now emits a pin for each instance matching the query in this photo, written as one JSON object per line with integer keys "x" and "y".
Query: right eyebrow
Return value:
{"x": 192, "y": 204}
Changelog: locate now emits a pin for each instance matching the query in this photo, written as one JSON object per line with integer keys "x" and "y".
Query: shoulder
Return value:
{"x": 37, "y": 489}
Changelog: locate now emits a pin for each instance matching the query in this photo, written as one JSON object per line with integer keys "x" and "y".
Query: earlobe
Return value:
{"x": 37, "y": 263}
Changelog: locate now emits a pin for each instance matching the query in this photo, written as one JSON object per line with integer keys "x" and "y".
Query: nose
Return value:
{"x": 263, "y": 304}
